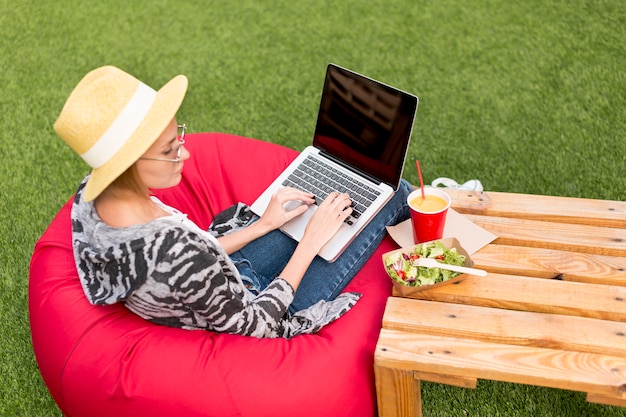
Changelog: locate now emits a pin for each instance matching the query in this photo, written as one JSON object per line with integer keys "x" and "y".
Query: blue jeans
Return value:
{"x": 260, "y": 261}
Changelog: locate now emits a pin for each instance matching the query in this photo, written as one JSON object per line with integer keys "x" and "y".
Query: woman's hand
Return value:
{"x": 322, "y": 226}
{"x": 327, "y": 220}
{"x": 276, "y": 214}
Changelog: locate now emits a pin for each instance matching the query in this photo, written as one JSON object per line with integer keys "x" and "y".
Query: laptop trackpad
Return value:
{"x": 295, "y": 227}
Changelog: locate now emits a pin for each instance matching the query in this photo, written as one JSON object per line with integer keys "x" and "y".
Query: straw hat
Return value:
{"x": 110, "y": 119}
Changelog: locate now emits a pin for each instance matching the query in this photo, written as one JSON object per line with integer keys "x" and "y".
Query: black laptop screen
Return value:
{"x": 365, "y": 123}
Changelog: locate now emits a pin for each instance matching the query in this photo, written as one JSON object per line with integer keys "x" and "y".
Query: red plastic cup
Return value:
{"x": 428, "y": 219}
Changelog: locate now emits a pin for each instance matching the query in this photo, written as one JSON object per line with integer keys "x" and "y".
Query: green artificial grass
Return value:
{"x": 526, "y": 97}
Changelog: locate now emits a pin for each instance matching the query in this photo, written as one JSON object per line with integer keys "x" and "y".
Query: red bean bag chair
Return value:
{"x": 106, "y": 361}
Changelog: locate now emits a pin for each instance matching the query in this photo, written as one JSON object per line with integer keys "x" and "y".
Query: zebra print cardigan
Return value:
{"x": 171, "y": 272}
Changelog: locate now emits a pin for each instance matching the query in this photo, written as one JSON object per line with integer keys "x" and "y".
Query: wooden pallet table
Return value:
{"x": 551, "y": 311}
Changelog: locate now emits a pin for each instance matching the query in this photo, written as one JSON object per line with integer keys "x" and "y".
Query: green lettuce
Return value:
{"x": 401, "y": 269}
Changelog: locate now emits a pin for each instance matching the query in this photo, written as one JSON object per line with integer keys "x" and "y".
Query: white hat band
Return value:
{"x": 122, "y": 127}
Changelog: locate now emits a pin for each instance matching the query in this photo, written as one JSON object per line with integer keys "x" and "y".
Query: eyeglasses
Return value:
{"x": 181, "y": 141}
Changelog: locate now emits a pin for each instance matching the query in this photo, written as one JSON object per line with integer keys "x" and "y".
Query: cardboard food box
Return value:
{"x": 403, "y": 290}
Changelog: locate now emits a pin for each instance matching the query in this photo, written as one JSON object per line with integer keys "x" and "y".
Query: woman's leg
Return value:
{"x": 264, "y": 258}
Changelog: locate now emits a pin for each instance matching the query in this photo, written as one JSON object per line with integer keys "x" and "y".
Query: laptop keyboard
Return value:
{"x": 320, "y": 179}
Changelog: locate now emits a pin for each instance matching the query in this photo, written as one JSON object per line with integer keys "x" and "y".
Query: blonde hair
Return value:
{"x": 128, "y": 182}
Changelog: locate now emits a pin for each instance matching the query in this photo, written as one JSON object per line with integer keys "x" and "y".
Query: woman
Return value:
{"x": 244, "y": 276}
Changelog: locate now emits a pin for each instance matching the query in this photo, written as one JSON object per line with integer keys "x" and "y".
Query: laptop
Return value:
{"x": 359, "y": 146}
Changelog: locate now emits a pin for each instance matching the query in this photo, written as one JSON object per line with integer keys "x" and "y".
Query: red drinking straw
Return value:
{"x": 419, "y": 173}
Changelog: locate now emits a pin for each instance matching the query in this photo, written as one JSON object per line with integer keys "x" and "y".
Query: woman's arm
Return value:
{"x": 275, "y": 216}
{"x": 322, "y": 226}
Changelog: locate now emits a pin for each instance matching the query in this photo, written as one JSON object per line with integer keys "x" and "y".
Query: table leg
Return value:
{"x": 398, "y": 393}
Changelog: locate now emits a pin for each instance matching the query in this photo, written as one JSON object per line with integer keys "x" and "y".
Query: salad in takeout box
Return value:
{"x": 408, "y": 278}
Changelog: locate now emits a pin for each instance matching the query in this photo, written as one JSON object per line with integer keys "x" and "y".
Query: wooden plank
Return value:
{"x": 456, "y": 381}
{"x": 551, "y": 235}
{"x": 533, "y": 294}
{"x": 605, "y": 213}
{"x": 506, "y": 326}
{"x": 552, "y": 263}
{"x": 397, "y": 392}
{"x": 600, "y": 375}
{"x": 619, "y": 402}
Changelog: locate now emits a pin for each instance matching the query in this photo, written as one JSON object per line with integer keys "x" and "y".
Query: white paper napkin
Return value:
{"x": 470, "y": 235}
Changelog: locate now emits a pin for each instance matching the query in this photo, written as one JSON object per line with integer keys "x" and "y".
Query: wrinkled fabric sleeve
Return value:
{"x": 232, "y": 219}
{"x": 218, "y": 297}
